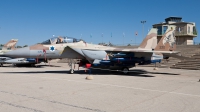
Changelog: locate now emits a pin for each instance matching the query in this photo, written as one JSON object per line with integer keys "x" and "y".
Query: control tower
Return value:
{"x": 185, "y": 31}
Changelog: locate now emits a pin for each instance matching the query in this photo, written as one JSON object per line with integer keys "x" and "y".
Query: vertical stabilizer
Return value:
{"x": 10, "y": 45}
{"x": 150, "y": 41}
{"x": 168, "y": 40}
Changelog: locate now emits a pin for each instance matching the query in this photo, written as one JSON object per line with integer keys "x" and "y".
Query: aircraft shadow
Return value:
{"x": 24, "y": 66}
{"x": 82, "y": 72}
{"x": 138, "y": 73}
{"x": 135, "y": 72}
{"x": 163, "y": 73}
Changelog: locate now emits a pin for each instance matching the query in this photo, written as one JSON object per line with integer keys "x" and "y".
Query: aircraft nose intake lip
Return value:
{"x": 22, "y": 52}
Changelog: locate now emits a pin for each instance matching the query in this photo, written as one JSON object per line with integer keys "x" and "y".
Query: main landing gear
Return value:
{"x": 71, "y": 64}
{"x": 125, "y": 70}
{"x": 1, "y": 64}
{"x": 71, "y": 71}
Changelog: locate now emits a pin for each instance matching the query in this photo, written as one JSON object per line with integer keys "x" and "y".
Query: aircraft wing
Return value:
{"x": 129, "y": 53}
{"x": 70, "y": 52}
{"x": 142, "y": 53}
{"x": 139, "y": 53}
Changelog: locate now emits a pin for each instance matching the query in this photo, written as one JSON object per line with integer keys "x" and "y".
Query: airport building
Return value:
{"x": 185, "y": 31}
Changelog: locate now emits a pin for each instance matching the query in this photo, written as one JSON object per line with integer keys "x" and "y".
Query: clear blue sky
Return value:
{"x": 33, "y": 21}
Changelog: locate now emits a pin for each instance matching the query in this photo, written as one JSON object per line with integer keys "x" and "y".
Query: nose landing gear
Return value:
{"x": 71, "y": 64}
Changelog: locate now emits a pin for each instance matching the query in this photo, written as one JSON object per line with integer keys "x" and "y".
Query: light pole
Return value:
{"x": 102, "y": 37}
{"x": 81, "y": 36}
{"x": 123, "y": 38}
{"x": 143, "y": 28}
{"x": 91, "y": 38}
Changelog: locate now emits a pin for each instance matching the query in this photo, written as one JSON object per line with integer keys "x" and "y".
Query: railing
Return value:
{"x": 185, "y": 43}
{"x": 177, "y": 33}
{"x": 195, "y": 33}
{"x": 160, "y": 33}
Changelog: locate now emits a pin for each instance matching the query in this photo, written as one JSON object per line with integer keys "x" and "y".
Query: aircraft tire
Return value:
{"x": 125, "y": 70}
{"x": 1, "y": 64}
{"x": 71, "y": 71}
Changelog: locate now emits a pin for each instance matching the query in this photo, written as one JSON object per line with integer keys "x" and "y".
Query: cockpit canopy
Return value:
{"x": 60, "y": 40}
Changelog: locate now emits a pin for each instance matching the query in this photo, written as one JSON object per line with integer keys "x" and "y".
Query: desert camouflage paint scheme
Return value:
{"x": 9, "y": 46}
{"x": 66, "y": 47}
{"x": 168, "y": 42}
{"x": 150, "y": 41}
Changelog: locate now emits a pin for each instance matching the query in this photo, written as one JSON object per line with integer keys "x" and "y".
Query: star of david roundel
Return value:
{"x": 52, "y": 48}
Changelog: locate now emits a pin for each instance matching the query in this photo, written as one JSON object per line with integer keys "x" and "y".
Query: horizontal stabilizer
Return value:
{"x": 176, "y": 56}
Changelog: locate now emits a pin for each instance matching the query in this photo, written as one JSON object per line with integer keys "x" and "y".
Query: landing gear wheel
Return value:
{"x": 125, "y": 70}
{"x": 1, "y": 64}
{"x": 71, "y": 71}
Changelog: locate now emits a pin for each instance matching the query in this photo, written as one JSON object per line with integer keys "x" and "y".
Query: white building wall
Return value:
{"x": 190, "y": 29}
{"x": 189, "y": 41}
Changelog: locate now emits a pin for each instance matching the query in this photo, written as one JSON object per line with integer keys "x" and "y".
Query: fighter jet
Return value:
{"x": 15, "y": 61}
{"x": 72, "y": 48}
{"x": 6, "y": 48}
{"x": 61, "y": 47}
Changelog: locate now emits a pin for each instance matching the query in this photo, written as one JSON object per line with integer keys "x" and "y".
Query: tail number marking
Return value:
{"x": 162, "y": 47}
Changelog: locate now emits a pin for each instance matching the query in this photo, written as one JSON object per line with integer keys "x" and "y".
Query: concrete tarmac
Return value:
{"x": 53, "y": 89}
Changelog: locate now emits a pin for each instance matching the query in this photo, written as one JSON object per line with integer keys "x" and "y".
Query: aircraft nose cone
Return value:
{"x": 21, "y": 52}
